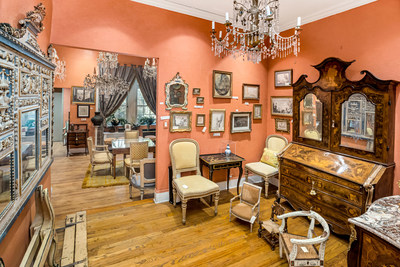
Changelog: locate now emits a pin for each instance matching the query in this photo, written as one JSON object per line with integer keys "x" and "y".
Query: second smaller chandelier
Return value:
{"x": 254, "y": 33}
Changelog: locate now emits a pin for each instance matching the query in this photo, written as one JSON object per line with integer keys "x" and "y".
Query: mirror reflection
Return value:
{"x": 28, "y": 144}
{"x": 45, "y": 144}
{"x": 311, "y": 118}
{"x": 358, "y": 123}
{"x": 5, "y": 182}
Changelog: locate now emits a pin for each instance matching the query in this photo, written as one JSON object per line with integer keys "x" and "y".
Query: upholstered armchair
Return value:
{"x": 97, "y": 156}
{"x": 267, "y": 167}
{"x": 249, "y": 207}
{"x": 138, "y": 150}
{"x": 146, "y": 175}
{"x": 184, "y": 155}
{"x": 132, "y": 134}
{"x": 301, "y": 250}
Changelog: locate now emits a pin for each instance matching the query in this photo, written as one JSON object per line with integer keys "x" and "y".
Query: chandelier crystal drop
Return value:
{"x": 254, "y": 34}
{"x": 106, "y": 81}
{"x": 150, "y": 71}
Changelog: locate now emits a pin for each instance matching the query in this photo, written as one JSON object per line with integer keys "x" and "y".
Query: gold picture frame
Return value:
{"x": 180, "y": 121}
{"x": 222, "y": 84}
{"x": 282, "y": 106}
{"x": 240, "y": 122}
{"x": 217, "y": 120}
{"x": 282, "y": 125}
{"x": 200, "y": 120}
{"x": 251, "y": 91}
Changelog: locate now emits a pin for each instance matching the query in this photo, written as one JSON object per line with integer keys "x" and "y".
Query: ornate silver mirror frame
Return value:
{"x": 174, "y": 90}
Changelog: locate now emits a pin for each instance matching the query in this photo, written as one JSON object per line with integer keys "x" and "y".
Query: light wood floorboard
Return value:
{"x": 122, "y": 232}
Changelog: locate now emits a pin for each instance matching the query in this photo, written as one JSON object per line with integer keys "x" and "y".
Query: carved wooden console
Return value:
{"x": 342, "y": 154}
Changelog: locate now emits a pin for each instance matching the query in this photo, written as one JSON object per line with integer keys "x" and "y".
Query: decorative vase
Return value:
{"x": 97, "y": 119}
{"x": 227, "y": 150}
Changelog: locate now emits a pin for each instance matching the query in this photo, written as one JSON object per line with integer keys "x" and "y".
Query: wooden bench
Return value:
{"x": 42, "y": 230}
{"x": 74, "y": 252}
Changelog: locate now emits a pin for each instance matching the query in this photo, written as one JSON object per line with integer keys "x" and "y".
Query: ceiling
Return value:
{"x": 214, "y": 10}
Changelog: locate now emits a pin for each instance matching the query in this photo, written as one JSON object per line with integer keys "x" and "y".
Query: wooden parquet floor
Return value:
{"x": 122, "y": 232}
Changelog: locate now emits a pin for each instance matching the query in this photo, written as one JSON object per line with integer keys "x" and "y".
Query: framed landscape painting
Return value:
{"x": 82, "y": 95}
{"x": 283, "y": 78}
{"x": 282, "y": 106}
{"x": 180, "y": 121}
{"x": 240, "y": 122}
{"x": 282, "y": 125}
{"x": 251, "y": 91}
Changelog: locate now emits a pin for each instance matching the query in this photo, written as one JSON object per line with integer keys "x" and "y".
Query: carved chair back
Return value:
{"x": 276, "y": 142}
{"x": 139, "y": 150}
{"x": 132, "y": 134}
{"x": 184, "y": 155}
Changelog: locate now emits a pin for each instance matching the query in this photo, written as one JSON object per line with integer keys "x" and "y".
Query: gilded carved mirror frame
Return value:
{"x": 176, "y": 80}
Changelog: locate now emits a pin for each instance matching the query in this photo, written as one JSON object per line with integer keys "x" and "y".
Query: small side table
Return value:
{"x": 220, "y": 161}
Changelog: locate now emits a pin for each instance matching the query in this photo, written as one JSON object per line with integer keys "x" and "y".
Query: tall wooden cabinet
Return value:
{"x": 342, "y": 154}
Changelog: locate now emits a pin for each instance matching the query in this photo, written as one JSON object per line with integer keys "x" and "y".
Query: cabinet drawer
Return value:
{"x": 331, "y": 187}
{"x": 321, "y": 197}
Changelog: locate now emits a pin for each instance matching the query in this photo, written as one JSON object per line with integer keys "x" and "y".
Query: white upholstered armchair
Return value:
{"x": 267, "y": 167}
{"x": 301, "y": 250}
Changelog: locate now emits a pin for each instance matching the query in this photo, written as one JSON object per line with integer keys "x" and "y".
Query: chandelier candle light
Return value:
{"x": 255, "y": 33}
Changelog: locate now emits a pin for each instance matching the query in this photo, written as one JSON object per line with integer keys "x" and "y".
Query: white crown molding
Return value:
{"x": 329, "y": 11}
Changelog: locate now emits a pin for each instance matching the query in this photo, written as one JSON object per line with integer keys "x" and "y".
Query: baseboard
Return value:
{"x": 161, "y": 197}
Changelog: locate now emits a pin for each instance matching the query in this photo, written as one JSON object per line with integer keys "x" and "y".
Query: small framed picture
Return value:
{"x": 282, "y": 125}
{"x": 196, "y": 91}
{"x": 307, "y": 117}
{"x": 222, "y": 84}
{"x": 83, "y": 111}
{"x": 200, "y": 120}
{"x": 180, "y": 121}
{"x": 200, "y": 100}
{"x": 217, "y": 120}
{"x": 240, "y": 122}
{"x": 82, "y": 95}
{"x": 308, "y": 101}
{"x": 283, "y": 78}
{"x": 251, "y": 91}
{"x": 127, "y": 127}
{"x": 257, "y": 112}
{"x": 282, "y": 106}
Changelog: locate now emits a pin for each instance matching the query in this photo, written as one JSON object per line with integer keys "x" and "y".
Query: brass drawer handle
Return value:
{"x": 312, "y": 192}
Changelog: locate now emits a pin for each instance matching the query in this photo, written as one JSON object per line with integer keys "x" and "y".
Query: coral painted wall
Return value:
{"x": 368, "y": 34}
{"x": 182, "y": 44}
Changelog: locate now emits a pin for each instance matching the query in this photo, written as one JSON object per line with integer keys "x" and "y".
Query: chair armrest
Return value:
{"x": 311, "y": 241}
{"x": 234, "y": 199}
{"x": 146, "y": 161}
{"x": 105, "y": 147}
{"x": 293, "y": 214}
{"x": 255, "y": 205}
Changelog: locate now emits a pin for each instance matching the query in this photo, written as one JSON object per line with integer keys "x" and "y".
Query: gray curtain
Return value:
{"x": 148, "y": 89}
{"x": 109, "y": 104}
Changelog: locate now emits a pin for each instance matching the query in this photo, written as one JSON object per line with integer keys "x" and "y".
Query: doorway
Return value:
{"x": 58, "y": 115}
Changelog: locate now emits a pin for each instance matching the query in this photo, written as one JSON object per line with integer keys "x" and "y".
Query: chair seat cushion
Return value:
{"x": 135, "y": 163}
{"x": 244, "y": 211}
{"x": 196, "y": 186}
{"x": 271, "y": 226}
{"x": 301, "y": 255}
{"x": 261, "y": 169}
{"x": 101, "y": 157}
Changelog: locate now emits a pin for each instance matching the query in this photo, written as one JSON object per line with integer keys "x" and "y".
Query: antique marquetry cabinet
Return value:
{"x": 26, "y": 99}
{"x": 342, "y": 154}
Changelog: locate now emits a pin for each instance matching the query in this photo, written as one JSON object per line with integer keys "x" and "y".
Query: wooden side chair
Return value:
{"x": 269, "y": 230}
{"x": 98, "y": 157}
{"x": 301, "y": 250}
{"x": 184, "y": 155}
{"x": 249, "y": 207}
{"x": 138, "y": 150}
{"x": 267, "y": 167}
{"x": 132, "y": 134}
{"x": 146, "y": 175}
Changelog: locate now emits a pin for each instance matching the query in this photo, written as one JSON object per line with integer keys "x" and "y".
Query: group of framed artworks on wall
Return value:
{"x": 282, "y": 105}
{"x": 181, "y": 121}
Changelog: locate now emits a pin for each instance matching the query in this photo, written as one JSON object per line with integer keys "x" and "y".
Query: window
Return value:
{"x": 142, "y": 108}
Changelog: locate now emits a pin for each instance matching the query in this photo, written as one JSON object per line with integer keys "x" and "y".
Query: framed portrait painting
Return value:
{"x": 257, "y": 112}
{"x": 240, "y": 122}
{"x": 251, "y": 91}
{"x": 180, "y": 121}
{"x": 200, "y": 120}
{"x": 283, "y": 78}
{"x": 282, "y": 125}
{"x": 217, "y": 120}
{"x": 82, "y": 95}
{"x": 222, "y": 84}
{"x": 282, "y": 106}
{"x": 83, "y": 111}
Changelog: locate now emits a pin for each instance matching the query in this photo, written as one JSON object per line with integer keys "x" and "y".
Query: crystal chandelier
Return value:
{"x": 106, "y": 82}
{"x": 150, "y": 71}
{"x": 255, "y": 33}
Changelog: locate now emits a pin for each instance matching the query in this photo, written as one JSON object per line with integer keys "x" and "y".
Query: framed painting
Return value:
{"x": 176, "y": 92}
{"x": 308, "y": 118}
{"x": 200, "y": 100}
{"x": 283, "y": 78}
{"x": 83, "y": 111}
{"x": 257, "y": 112}
{"x": 240, "y": 122}
{"x": 217, "y": 120}
{"x": 82, "y": 95}
{"x": 282, "y": 106}
{"x": 180, "y": 121}
{"x": 200, "y": 120}
{"x": 251, "y": 91}
{"x": 196, "y": 91}
{"x": 282, "y": 125}
{"x": 222, "y": 84}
